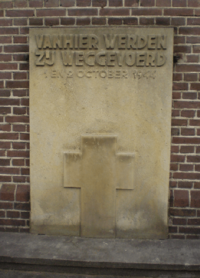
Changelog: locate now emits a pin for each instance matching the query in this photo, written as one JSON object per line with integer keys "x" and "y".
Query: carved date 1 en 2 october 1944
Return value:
{"x": 110, "y": 74}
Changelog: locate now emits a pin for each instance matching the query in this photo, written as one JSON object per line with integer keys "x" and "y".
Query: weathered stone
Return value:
{"x": 100, "y": 110}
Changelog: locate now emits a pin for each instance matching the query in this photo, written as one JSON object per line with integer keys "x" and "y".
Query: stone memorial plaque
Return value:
{"x": 100, "y": 113}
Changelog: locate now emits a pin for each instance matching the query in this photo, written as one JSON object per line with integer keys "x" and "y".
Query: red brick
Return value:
{"x": 146, "y": 20}
{"x": 6, "y": 4}
{"x": 51, "y": 3}
{"x": 17, "y": 84}
{"x": 7, "y": 192}
{"x": 179, "y": 3}
{"x": 195, "y": 122}
{"x": 24, "y": 67}
{"x": 178, "y": 122}
{"x": 51, "y": 21}
{"x": 35, "y": 3}
{"x": 173, "y": 167}
{"x": 5, "y": 57}
{"x": 13, "y": 214}
{"x": 197, "y": 168}
{"x": 196, "y": 49}
{"x": 12, "y": 222}
{"x": 114, "y": 12}
{"x": 5, "y": 22}
{"x": 18, "y": 162}
{"x": 20, "y": 75}
{"x": 115, "y": 21}
{"x": 172, "y": 229}
{"x": 18, "y": 153}
{"x": 115, "y": 3}
{"x": 195, "y": 198}
{"x": 36, "y": 21}
{"x": 185, "y": 140}
{"x": 188, "y": 176}
{"x": 179, "y": 221}
{"x": 189, "y": 95}
{"x": 131, "y": 3}
{"x": 25, "y": 171}
{"x": 130, "y": 21}
{"x": 67, "y": 3}
{"x": 194, "y": 158}
{"x": 174, "y": 149}
{"x": 83, "y": 21}
{"x": 67, "y": 21}
{"x": 187, "y": 149}
{"x": 190, "y": 76}
{"x": 5, "y": 127}
{"x": 186, "y": 104}
{"x": 19, "y": 145}
{"x": 51, "y": 12}
{"x": 98, "y": 21}
{"x": 177, "y": 158}
{"x": 182, "y": 49}
{"x": 22, "y": 206}
{"x": 23, "y": 193}
{"x": 20, "y": 21}
{"x": 83, "y": 3}
{"x": 186, "y": 167}
{"x": 189, "y": 30}
{"x": 193, "y": 3}
{"x": 4, "y": 162}
{"x": 20, "y": 3}
{"x": 178, "y": 12}
{"x": 5, "y": 110}
{"x": 18, "y": 128}
{"x": 147, "y": 3}
{"x": 5, "y": 75}
{"x": 6, "y": 31}
{"x": 20, "y": 39}
{"x": 16, "y": 48}
{"x": 6, "y": 205}
{"x": 5, "y": 179}
{"x": 9, "y": 136}
{"x": 189, "y": 230}
{"x": 4, "y": 145}
{"x": 82, "y": 12}
{"x": 25, "y": 102}
{"x": 25, "y": 215}
{"x": 8, "y": 66}
{"x": 24, "y": 30}
{"x": 9, "y": 170}
{"x": 177, "y": 86}
{"x": 185, "y": 184}
{"x": 193, "y": 39}
{"x": 181, "y": 198}
{"x": 194, "y": 221}
{"x": 163, "y": 3}
{"x": 187, "y": 131}
{"x": 19, "y": 179}
{"x": 20, "y": 13}
{"x": 146, "y": 11}
{"x": 162, "y": 21}
{"x": 99, "y": 3}
{"x": 24, "y": 136}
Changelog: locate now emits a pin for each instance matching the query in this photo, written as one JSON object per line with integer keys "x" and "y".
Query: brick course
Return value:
{"x": 15, "y": 19}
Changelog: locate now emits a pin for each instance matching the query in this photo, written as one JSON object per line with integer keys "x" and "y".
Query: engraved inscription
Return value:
{"x": 99, "y": 170}
{"x": 106, "y": 50}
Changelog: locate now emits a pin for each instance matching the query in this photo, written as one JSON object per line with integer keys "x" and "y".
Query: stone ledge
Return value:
{"x": 73, "y": 252}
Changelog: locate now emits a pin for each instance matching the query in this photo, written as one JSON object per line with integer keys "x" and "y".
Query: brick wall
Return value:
{"x": 16, "y": 17}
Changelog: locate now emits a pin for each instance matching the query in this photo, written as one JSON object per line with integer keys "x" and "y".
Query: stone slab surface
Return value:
{"x": 99, "y": 254}
{"x": 100, "y": 127}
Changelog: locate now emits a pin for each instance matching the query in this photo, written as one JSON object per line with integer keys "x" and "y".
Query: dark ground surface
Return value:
{"x": 27, "y": 274}
{"x": 38, "y": 256}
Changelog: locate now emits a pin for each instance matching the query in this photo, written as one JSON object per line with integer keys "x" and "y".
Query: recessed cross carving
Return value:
{"x": 98, "y": 170}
